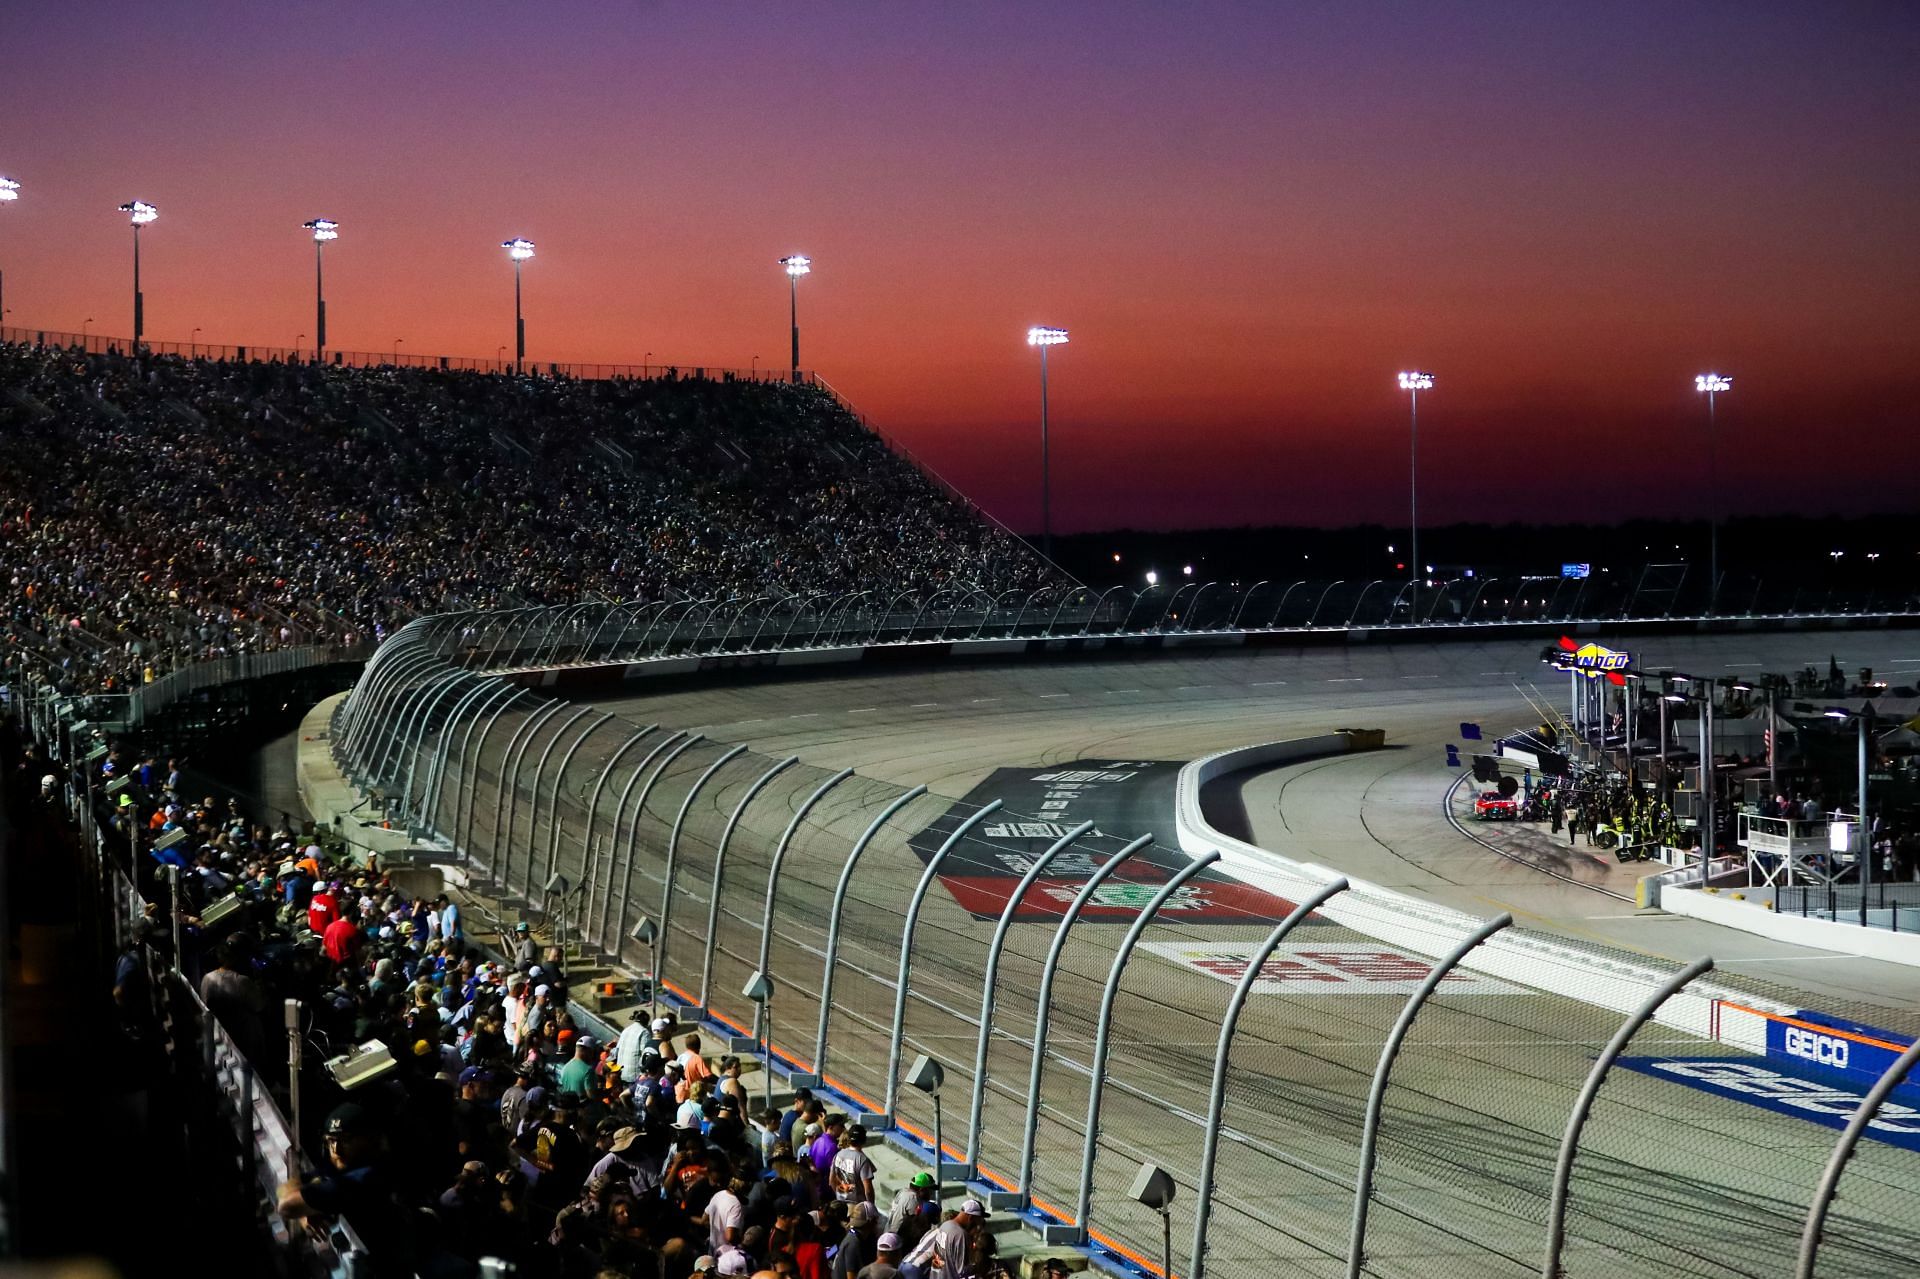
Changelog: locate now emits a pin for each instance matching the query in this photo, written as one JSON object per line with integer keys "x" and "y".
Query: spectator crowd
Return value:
{"x": 156, "y": 510}
{"x": 502, "y": 1128}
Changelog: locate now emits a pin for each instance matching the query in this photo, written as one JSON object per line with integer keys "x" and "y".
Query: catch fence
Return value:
{"x": 1494, "y": 1127}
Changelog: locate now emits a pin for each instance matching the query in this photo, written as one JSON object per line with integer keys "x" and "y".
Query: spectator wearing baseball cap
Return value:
{"x": 850, "y": 1174}
{"x": 856, "y": 1248}
{"x": 947, "y": 1250}
{"x": 886, "y": 1263}
{"x": 913, "y": 1211}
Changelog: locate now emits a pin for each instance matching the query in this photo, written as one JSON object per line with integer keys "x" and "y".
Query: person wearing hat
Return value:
{"x": 850, "y": 1174}
{"x": 633, "y": 1038}
{"x": 947, "y": 1249}
{"x": 913, "y": 1210}
{"x": 886, "y": 1263}
{"x": 523, "y": 950}
{"x": 856, "y": 1247}
{"x": 792, "y": 1115}
{"x": 356, "y": 1187}
{"x": 733, "y": 1262}
{"x": 577, "y": 1075}
{"x": 1055, "y": 1266}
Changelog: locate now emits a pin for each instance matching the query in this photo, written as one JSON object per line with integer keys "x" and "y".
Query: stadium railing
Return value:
{"x": 99, "y": 344}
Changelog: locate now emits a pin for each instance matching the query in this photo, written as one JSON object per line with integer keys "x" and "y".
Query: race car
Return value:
{"x": 1492, "y": 806}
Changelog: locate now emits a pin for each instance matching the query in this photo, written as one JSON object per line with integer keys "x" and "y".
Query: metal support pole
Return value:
{"x": 293, "y": 1088}
{"x": 1217, "y": 1098}
{"x": 481, "y": 688}
{"x": 510, "y": 785}
{"x": 319, "y": 303}
{"x": 1570, "y": 1144}
{"x": 990, "y": 989}
{"x": 897, "y": 1034}
{"x": 673, "y": 853}
{"x": 553, "y": 820}
{"x": 773, "y": 868}
{"x": 1376, "y": 1094}
{"x": 1713, "y": 507}
{"x": 1837, "y": 1163}
{"x": 720, "y": 866}
{"x": 1023, "y": 1187}
{"x": 1706, "y": 785}
{"x": 173, "y": 894}
{"x": 1413, "y": 499}
{"x": 466, "y": 794}
{"x": 139, "y": 299}
{"x": 593, "y": 812}
{"x": 533, "y": 804}
{"x": 519, "y": 324}
{"x": 1773, "y": 750}
{"x": 833, "y": 920}
{"x": 1866, "y": 826}
{"x": 1103, "y": 1032}
{"x": 618, "y": 937}
{"x": 793, "y": 319}
{"x": 1046, "y": 478}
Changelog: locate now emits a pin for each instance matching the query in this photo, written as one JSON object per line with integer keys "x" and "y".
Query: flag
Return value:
{"x": 1469, "y": 732}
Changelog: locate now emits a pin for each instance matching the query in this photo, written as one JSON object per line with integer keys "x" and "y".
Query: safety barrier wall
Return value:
{"x": 1454, "y": 1133}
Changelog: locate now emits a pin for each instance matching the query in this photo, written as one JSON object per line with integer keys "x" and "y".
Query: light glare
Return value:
{"x": 9, "y": 189}
{"x": 1040, "y": 336}
{"x": 139, "y": 212}
{"x": 797, "y": 264}
{"x": 323, "y": 229}
{"x": 1416, "y": 381}
{"x": 518, "y": 249}
{"x": 1712, "y": 382}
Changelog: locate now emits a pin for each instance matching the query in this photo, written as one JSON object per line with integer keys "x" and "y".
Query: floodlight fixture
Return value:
{"x": 139, "y": 212}
{"x": 1712, "y": 383}
{"x": 1153, "y": 578}
{"x": 1039, "y": 335}
{"x": 9, "y": 190}
{"x": 1416, "y": 381}
{"x": 926, "y": 1075}
{"x": 646, "y": 931}
{"x": 323, "y": 228}
{"x": 518, "y": 249}
{"x": 797, "y": 264}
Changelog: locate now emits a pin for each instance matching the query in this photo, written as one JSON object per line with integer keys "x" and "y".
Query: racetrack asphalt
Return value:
{"x": 1671, "y": 1179}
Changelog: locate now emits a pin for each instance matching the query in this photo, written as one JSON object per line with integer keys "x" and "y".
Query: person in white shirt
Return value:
{"x": 726, "y": 1217}
{"x": 515, "y": 1006}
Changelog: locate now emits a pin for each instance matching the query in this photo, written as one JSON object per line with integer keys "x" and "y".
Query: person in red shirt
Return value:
{"x": 341, "y": 940}
{"x": 322, "y": 909}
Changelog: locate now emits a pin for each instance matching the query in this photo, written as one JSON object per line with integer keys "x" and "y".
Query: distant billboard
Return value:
{"x": 1576, "y": 570}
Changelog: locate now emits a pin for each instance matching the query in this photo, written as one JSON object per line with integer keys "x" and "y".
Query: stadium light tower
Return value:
{"x": 9, "y": 192}
{"x": 138, "y": 212}
{"x": 1413, "y": 384}
{"x": 1710, "y": 385}
{"x": 519, "y": 250}
{"x": 1043, "y": 338}
{"x": 797, "y": 265}
{"x": 323, "y": 229}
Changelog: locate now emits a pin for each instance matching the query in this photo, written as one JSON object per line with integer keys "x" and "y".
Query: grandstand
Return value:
{"x": 159, "y": 510}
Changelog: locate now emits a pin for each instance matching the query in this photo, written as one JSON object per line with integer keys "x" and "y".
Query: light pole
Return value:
{"x": 323, "y": 229}
{"x": 9, "y": 192}
{"x": 1712, "y": 384}
{"x": 1866, "y": 828}
{"x": 797, "y": 265}
{"x": 519, "y": 250}
{"x": 138, "y": 212}
{"x": 396, "y": 351}
{"x": 298, "y": 340}
{"x": 193, "y": 343}
{"x": 1043, "y": 338}
{"x": 83, "y": 332}
{"x": 1413, "y": 384}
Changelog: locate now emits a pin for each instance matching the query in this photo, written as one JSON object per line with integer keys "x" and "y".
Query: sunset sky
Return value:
{"x": 1250, "y": 216}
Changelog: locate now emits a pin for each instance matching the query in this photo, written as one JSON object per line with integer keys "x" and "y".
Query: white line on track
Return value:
{"x": 1055, "y": 694}
{"x": 978, "y": 700}
{"x": 1906, "y": 661}
{"x": 1123, "y": 690}
{"x": 804, "y": 715}
{"x": 1345, "y": 679}
{"x": 1265, "y": 683}
{"x": 1191, "y": 688}
{"x": 863, "y": 710}
{"x": 921, "y": 706}
{"x": 1731, "y": 665}
{"x": 1477, "y": 674}
{"x": 1785, "y": 959}
{"x": 1419, "y": 677}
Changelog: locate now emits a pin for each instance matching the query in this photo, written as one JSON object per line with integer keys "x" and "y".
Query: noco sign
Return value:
{"x": 1593, "y": 661}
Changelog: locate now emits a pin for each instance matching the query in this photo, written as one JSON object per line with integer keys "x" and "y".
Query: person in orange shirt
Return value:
{"x": 692, "y": 1064}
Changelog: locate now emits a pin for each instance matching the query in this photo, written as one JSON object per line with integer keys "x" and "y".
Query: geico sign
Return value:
{"x": 1793, "y": 1094}
{"x": 1826, "y": 1050}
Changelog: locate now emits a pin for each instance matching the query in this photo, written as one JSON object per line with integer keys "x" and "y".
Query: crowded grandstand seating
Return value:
{"x": 155, "y": 511}
{"x": 487, "y": 1123}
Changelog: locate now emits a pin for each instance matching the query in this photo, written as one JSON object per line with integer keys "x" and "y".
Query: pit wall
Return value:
{"x": 1821, "y": 934}
{"x": 1592, "y": 975}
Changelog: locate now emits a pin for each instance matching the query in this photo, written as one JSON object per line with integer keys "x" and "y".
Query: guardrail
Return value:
{"x": 765, "y": 865}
